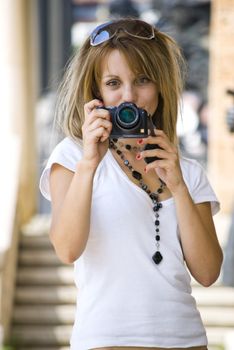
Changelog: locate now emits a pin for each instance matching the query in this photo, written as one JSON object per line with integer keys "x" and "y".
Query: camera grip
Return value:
{"x": 149, "y": 147}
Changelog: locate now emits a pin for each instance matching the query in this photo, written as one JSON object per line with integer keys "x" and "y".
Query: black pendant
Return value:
{"x": 137, "y": 175}
{"x": 157, "y": 257}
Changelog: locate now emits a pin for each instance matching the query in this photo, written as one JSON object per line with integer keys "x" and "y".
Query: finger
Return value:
{"x": 170, "y": 164}
{"x": 98, "y": 133}
{"x": 104, "y": 137}
{"x": 101, "y": 129}
{"x": 97, "y": 113}
{"x": 161, "y": 141}
{"x": 160, "y": 153}
{"x": 100, "y": 122}
{"x": 162, "y": 163}
{"x": 89, "y": 106}
{"x": 159, "y": 132}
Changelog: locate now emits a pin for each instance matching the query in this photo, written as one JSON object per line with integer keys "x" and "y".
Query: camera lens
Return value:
{"x": 127, "y": 117}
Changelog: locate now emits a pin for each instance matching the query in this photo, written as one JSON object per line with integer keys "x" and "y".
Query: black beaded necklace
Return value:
{"x": 157, "y": 205}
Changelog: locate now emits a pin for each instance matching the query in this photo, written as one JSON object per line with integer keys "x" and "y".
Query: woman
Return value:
{"x": 132, "y": 228}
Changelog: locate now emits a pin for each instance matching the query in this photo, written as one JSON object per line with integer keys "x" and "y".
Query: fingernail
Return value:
{"x": 140, "y": 142}
{"x": 138, "y": 156}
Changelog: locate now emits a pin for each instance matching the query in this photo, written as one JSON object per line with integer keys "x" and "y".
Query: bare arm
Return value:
{"x": 200, "y": 245}
{"x": 71, "y": 195}
{"x": 71, "y": 192}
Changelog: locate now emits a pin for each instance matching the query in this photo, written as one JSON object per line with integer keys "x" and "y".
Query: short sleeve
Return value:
{"x": 67, "y": 153}
{"x": 198, "y": 184}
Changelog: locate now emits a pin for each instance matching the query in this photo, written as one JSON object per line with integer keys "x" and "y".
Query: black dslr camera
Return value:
{"x": 128, "y": 121}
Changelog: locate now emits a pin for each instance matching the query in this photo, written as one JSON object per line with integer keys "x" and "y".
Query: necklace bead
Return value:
{"x": 128, "y": 147}
{"x": 154, "y": 196}
{"x": 136, "y": 175}
{"x": 157, "y": 257}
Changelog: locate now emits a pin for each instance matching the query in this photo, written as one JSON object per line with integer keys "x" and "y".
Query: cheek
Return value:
{"x": 110, "y": 97}
{"x": 153, "y": 102}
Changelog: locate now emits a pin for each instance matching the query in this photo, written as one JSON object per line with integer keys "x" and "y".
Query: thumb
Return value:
{"x": 161, "y": 173}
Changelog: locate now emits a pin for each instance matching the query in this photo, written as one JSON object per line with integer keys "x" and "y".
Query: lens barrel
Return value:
{"x": 127, "y": 116}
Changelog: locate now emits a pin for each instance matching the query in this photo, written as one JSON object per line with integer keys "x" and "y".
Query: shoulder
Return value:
{"x": 68, "y": 148}
{"x": 67, "y": 153}
{"x": 198, "y": 183}
{"x": 191, "y": 169}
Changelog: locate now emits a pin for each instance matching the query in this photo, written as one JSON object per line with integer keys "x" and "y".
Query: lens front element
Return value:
{"x": 127, "y": 117}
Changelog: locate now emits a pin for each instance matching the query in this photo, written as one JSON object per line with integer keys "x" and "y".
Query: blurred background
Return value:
{"x": 37, "y": 38}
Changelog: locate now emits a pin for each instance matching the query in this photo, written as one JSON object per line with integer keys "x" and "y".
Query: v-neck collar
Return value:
{"x": 131, "y": 183}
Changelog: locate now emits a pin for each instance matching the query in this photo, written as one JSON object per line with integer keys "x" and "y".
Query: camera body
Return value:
{"x": 128, "y": 121}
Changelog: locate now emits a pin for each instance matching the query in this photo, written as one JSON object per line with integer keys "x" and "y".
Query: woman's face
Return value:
{"x": 119, "y": 84}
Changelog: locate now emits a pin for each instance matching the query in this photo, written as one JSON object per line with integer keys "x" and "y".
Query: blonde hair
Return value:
{"x": 159, "y": 59}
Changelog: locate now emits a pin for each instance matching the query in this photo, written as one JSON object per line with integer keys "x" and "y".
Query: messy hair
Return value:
{"x": 159, "y": 59}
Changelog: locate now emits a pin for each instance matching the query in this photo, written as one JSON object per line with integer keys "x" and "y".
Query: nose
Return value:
{"x": 129, "y": 93}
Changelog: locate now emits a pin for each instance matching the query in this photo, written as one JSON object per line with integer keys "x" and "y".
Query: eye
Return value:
{"x": 112, "y": 83}
{"x": 143, "y": 79}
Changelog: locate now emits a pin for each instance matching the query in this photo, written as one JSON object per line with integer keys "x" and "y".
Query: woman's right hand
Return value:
{"x": 96, "y": 131}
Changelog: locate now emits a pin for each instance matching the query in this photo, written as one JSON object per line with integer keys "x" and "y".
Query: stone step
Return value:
{"x": 41, "y": 336}
{"x": 212, "y": 317}
{"x": 215, "y": 316}
{"x": 45, "y": 276}
{"x": 52, "y": 337}
{"x": 38, "y": 225}
{"x": 35, "y": 242}
{"x": 68, "y": 348}
{"x": 44, "y": 314}
{"x": 46, "y": 295}
{"x": 67, "y": 294}
{"x": 214, "y": 296}
{"x": 211, "y": 347}
{"x": 58, "y": 348}
{"x": 39, "y": 257}
{"x": 217, "y": 336}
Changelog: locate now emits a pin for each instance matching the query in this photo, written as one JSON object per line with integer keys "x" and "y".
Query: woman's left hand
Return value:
{"x": 168, "y": 166}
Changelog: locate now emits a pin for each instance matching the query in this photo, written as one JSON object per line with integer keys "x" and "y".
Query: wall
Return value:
{"x": 221, "y": 145}
{"x": 17, "y": 139}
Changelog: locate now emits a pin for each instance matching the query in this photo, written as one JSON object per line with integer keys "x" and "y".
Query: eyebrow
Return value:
{"x": 110, "y": 76}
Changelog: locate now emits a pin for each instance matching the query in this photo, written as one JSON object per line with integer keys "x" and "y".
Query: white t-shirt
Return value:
{"x": 124, "y": 298}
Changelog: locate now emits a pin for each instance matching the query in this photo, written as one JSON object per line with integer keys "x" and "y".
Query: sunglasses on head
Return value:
{"x": 136, "y": 28}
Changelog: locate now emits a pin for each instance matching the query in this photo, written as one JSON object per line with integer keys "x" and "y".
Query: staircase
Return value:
{"x": 216, "y": 305}
{"x": 45, "y": 294}
{"x": 45, "y": 298}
